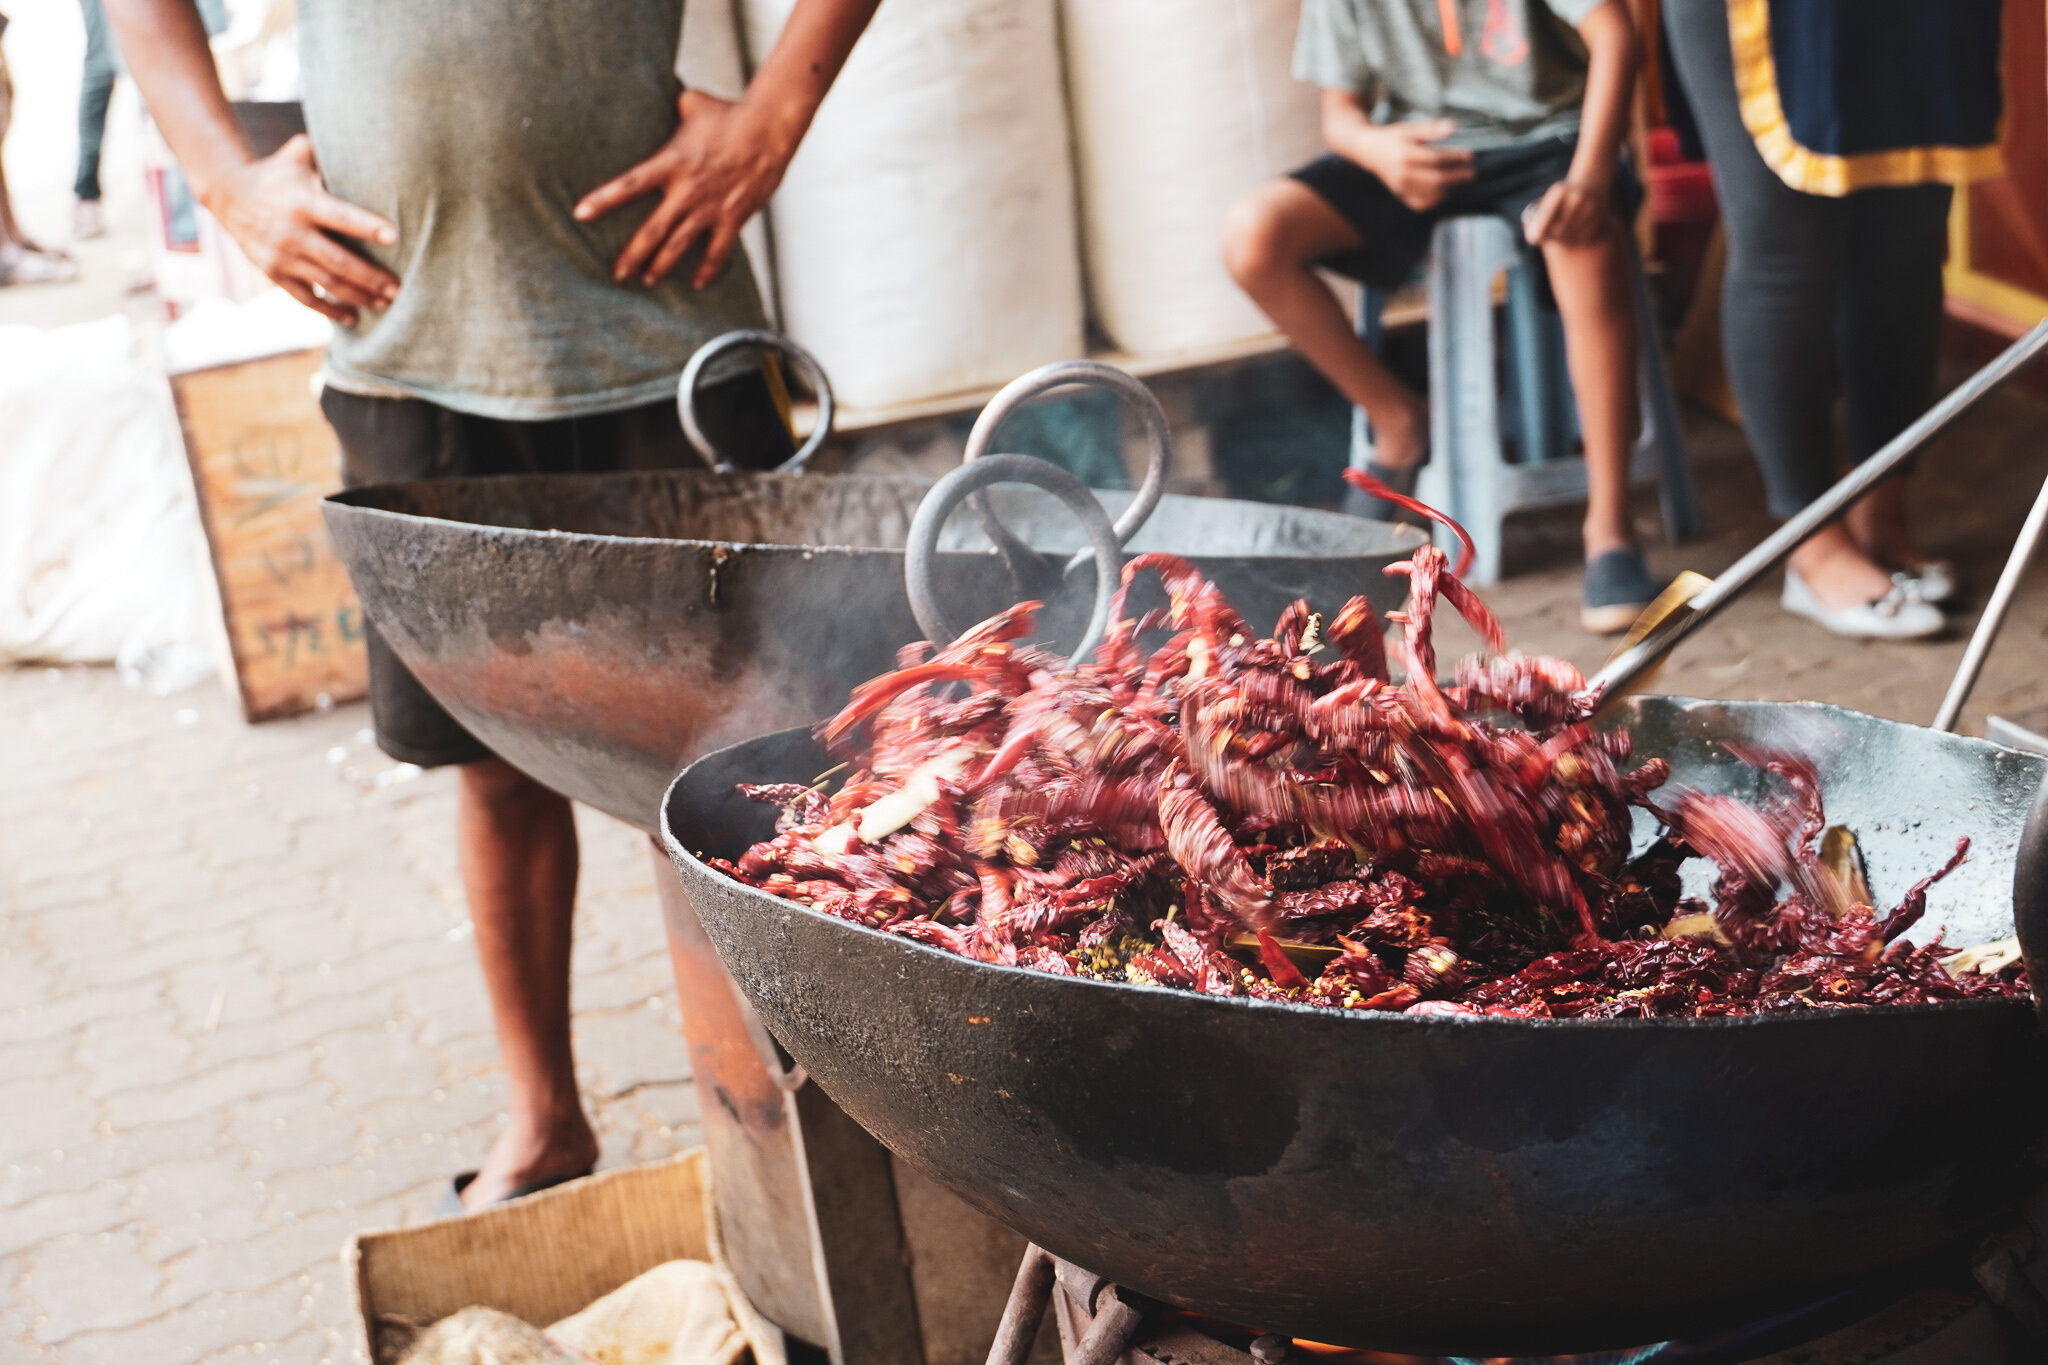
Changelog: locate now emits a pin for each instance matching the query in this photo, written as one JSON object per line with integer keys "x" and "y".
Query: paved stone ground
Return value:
{"x": 239, "y": 1016}
{"x": 240, "y": 1019}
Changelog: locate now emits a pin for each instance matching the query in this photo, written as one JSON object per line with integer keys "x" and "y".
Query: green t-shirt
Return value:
{"x": 474, "y": 127}
{"x": 1506, "y": 71}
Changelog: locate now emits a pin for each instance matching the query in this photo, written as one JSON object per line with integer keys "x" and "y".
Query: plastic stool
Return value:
{"x": 1468, "y": 475}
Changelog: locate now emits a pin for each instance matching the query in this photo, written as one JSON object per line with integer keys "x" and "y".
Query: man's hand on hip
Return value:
{"x": 280, "y": 214}
{"x": 713, "y": 175}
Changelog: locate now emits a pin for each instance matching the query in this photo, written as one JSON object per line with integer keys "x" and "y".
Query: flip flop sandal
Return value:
{"x": 18, "y": 266}
{"x": 451, "y": 1198}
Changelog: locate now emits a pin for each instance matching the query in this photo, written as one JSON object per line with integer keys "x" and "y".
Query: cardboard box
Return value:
{"x": 540, "y": 1258}
{"x": 262, "y": 458}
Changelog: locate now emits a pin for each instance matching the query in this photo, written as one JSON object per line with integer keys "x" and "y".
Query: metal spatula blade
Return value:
{"x": 1672, "y": 607}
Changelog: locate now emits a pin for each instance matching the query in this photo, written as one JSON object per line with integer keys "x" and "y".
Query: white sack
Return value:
{"x": 678, "y": 1313}
{"x": 709, "y": 60}
{"x": 924, "y": 237}
{"x": 1179, "y": 107}
{"x": 102, "y": 558}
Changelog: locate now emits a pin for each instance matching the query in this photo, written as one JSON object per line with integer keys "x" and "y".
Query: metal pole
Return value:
{"x": 1610, "y": 680}
{"x": 1993, "y": 618}
{"x": 1025, "y": 1310}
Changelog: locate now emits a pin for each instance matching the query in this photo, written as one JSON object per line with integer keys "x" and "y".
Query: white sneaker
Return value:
{"x": 1934, "y": 581}
{"x": 1898, "y": 615}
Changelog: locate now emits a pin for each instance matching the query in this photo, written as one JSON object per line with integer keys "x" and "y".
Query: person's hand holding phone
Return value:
{"x": 1407, "y": 157}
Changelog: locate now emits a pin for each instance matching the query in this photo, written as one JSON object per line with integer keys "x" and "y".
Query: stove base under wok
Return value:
{"x": 1999, "y": 1321}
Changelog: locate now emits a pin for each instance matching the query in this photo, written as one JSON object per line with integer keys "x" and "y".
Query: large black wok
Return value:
{"x": 1428, "y": 1184}
{"x": 598, "y": 631}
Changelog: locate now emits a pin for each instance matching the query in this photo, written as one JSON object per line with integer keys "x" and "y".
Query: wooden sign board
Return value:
{"x": 262, "y": 458}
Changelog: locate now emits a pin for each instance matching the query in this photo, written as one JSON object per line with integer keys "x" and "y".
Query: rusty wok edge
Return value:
{"x": 598, "y": 631}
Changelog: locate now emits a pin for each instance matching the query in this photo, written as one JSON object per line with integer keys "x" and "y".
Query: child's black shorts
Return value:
{"x": 1506, "y": 180}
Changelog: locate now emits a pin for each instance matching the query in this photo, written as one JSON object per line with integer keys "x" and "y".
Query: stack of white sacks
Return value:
{"x": 979, "y": 159}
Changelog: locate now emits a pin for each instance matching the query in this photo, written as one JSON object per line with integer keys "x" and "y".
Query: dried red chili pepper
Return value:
{"x": 1458, "y": 849}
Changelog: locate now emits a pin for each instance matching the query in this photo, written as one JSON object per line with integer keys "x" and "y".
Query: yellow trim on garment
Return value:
{"x": 1756, "y": 89}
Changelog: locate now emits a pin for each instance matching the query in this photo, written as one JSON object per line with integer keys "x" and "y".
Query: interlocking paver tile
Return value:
{"x": 36, "y": 1116}
{"x": 101, "y": 1208}
{"x": 197, "y": 1332}
{"x": 111, "y": 963}
{"x": 215, "y": 998}
{"x": 209, "y": 1091}
{"x": 293, "y": 1129}
{"x": 184, "y": 1204}
{"x": 255, "y": 1261}
{"x": 240, "y": 1018}
{"x": 82, "y": 1280}
{"x": 131, "y": 1050}
{"x": 112, "y": 1155}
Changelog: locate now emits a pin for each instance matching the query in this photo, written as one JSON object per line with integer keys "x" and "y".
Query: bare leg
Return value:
{"x": 1839, "y": 573}
{"x": 10, "y": 231}
{"x": 1877, "y": 520}
{"x": 1596, "y": 299}
{"x": 1272, "y": 239}
{"x": 21, "y": 260}
{"x": 518, "y": 850}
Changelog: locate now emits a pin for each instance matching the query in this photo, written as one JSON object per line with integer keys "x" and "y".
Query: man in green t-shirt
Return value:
{"x": 522, "y": 227}
{"x": 1443, "y": 108}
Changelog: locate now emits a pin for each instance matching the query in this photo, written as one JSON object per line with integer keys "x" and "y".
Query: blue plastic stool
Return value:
{"x": 1468, "y": 475}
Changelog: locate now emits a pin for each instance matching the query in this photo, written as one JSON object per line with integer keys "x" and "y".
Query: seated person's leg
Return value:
{"x": 1272, "y": 239}
{"x": 1596, "y": 298}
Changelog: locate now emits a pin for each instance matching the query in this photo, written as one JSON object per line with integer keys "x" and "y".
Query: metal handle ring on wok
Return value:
{"x": 1058, "y": 375}
{"x": 806, "y": 363}
{"x": 920, "y": 558}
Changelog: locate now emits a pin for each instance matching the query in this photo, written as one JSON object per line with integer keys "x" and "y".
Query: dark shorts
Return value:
{"x": 1505, "y": 181}
{"x": 385, "y": 440}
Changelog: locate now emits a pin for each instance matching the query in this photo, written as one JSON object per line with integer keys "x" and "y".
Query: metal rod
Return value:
{"x": 1109, "y": 1335}
{"x": 1612, "y": 679}
{"x": 1025, "y": 1310}
{"x": 1993, "y": 619}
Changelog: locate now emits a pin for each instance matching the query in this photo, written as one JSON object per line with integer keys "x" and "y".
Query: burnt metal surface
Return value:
{"x": 1436, "y": 1185}
{"x": 752, "y": 1132}
{"x": 598, "y": 631}
{"x": 2030, "y": 897}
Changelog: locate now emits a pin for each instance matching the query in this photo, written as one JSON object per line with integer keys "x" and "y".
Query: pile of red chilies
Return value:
{"x": 1239, "y": 814}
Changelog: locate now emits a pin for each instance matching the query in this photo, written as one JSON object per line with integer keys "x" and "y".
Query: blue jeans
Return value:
{"x": 1822, "y": 297}
{"x": 102, "y": 65}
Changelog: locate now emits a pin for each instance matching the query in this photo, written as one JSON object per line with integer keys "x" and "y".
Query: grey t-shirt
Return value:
{"x": 474, "y": 126}
{"x": 1518, "y": 72}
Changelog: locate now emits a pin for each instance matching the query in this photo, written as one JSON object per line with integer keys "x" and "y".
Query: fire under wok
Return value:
{"x": 1480, "y": 1185}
